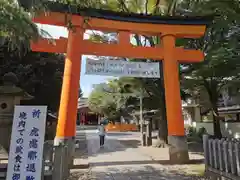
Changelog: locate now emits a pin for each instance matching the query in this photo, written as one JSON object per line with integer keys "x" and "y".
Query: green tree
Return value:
{"x": 221, "y": 47}
{"x": 35, "y": 5}
{"x": 153, "y": 87}
{"x": 112, "y": 99}
{"x": 16, "y": 25}
{"x": 39, "y": 74}
{"x": 104, "y": 100}
{"x": 225, "y": 26}
{"x": 80, "y": 93}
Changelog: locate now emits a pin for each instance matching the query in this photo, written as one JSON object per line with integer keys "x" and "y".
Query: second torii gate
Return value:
{"x": 168, "y": 28}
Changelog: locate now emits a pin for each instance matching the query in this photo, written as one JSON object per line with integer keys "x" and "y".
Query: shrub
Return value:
{"x": 201, "y": 132}
{"x": 195, "y": 135}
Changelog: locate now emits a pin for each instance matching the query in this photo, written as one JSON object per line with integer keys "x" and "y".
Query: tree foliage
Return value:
{"x": 80, "y": 93}
{"x": 15, "y": 24}
{"x": 153, "y": 87}
{"x": 113, "y": 99}
{"x": 220, "y": 44}
{"x": 221, "y": 47}
{"x": 39, "y": 74}
{"x": 103, "y": 102}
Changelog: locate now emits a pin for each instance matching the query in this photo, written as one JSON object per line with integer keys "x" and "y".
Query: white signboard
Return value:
{"x": 122, "y": 68}
{"x": 26, "y": 149}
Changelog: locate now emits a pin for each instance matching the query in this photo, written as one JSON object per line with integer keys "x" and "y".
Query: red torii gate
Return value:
{"x": 168, "y": 28}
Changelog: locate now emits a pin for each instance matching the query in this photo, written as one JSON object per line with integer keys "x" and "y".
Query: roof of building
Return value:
{"x": 82, "y": 102}
{"x": 229, "y": 109}
{"x": 15, "y": 91}
{"x": 128, "y": 17}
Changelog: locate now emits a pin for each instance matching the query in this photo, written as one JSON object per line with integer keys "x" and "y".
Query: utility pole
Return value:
{"x": 141, "y": 107}
{"x": 142, "y": 122}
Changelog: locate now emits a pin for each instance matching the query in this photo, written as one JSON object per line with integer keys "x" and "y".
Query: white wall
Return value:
{"x": 228, "y": 129}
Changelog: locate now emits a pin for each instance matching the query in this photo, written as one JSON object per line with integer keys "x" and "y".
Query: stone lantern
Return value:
{"x": 10, "y": 95}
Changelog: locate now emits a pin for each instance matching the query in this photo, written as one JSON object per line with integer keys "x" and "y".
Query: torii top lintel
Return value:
{"x": 60, "y": 14}
{"x": 124, "y": 24}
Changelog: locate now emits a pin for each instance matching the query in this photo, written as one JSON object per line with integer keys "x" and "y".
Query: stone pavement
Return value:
{"x": 118, "y": 162}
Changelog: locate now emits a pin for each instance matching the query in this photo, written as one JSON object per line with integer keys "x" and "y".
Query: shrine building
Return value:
{"x": 85, "y": 115}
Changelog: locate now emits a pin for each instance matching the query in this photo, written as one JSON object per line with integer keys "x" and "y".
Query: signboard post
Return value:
{"x": 26, "y": 149}
{"x": 122, "y": 68}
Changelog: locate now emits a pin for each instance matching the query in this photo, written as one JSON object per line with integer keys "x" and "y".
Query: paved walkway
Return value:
{"x": 117, "y": 162}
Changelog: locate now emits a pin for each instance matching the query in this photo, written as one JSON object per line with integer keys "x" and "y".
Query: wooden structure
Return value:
{"x": 167, "y": 28}
{"x": 222, "y": 156}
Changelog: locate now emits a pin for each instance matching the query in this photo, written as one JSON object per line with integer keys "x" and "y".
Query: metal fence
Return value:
{"x": 222, "y": 156}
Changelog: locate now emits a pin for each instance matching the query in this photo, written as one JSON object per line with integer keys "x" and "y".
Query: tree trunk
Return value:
{"x": 162, "y": 138}
{"x": 149, "y": 133}
{"x": 143, "y": 134}
{"x": 212, "y": 89}
{"x": 216, "y": 123}
{"x": 162, "y": 135}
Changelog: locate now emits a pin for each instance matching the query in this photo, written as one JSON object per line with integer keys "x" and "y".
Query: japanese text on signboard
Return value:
{"x": 27, "y": 143}
{"x": 122, "y": 68}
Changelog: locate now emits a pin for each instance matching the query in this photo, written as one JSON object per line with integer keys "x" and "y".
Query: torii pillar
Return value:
{"x": 178, "y": 149}
{"x": 75, "y": 47}
{"x": 71, "y": 77}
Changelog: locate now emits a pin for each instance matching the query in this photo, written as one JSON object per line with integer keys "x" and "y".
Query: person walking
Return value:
{"x": 102, "y": 133}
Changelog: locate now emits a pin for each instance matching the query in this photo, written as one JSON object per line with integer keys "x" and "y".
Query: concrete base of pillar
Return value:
{"x": 178, "y": 150}
{"x": 70, "y": 143}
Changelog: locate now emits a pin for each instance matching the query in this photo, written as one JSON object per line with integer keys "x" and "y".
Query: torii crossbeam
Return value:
{"x": 168, "y": 28}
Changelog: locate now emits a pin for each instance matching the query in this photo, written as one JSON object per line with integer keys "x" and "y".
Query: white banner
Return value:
{"x": 122, "y": 68}
{"x": 26, "y": 149}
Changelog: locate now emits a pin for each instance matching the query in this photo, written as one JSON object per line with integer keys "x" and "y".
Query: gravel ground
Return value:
{"x": 117, "y": 162}
{"x": 128, "y": 174}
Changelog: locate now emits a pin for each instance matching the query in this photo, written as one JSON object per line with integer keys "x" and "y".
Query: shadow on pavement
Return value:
{"x": 139, "y": 173}
{"x": 131, "y": 143}
{"x": 80, "y": 166}
{"x": 162, "y": 162}
{"x": 92, "y": 148}
{"x": 111, "y": 146}
{"x": 117, "y": 134}
{"x": 195, "y": 147}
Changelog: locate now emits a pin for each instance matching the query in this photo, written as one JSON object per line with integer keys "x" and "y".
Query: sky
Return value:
{"x": 86, "y": 81}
